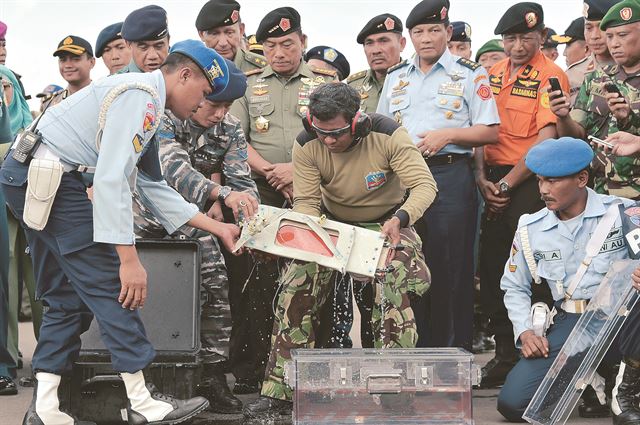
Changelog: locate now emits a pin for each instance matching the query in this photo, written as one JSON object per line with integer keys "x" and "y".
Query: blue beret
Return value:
{"x": 147, "y": 23}
{"x": 559, "y": 157}
{"x": 210, "y": 62}
{"x": 236, "y": 86}
{"x": 106, "y": 36}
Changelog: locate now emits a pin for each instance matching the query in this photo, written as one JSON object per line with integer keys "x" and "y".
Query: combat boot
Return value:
{"x": 216, "y": 390}
{"x": 263, "y": 407}
{"x": 45, "y": 406}
{"x": 147, "y": 406}
{"x": 590, "y": 407}
{"x": 626, "y": 394}
{"x": 495, "y": 372}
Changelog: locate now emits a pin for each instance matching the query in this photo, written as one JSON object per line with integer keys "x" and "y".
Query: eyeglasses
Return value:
{"x": 332, "y": 133}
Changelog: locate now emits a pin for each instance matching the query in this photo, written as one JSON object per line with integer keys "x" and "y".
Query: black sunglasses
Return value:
{"x": 332, "y": 133}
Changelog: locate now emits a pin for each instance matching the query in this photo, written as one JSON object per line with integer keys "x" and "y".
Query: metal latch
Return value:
{"x": 384, "y": 383}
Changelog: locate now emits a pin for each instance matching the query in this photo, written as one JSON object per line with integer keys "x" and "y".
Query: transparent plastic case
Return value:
{"x": 391, "y": 386}
{"x": 576, "y": 364}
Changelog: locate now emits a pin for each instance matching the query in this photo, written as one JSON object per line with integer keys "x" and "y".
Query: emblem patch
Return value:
{"x": 149, "y": 121}
{"x": 137, "y": 143}
{"x": 634, "y": 215}
{"x": 531, "y": 19}
{"x": 484, "y": 92}
{"x": 389, "y": 24}
{"x": 234, "y": 16}
{"x": 544, "y": 100}
{"x": 626, "y": 13}
{"x": 285, "y": 24}
{"x": 375, "y": 179}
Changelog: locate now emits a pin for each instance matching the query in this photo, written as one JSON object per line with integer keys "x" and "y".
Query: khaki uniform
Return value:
{"x": 249, "y": 61}
{"x": 132, "y": 67}
{"x": 271, "y": 112}
{"x": 577, "y": 71}
{"x": 368, "y": 87}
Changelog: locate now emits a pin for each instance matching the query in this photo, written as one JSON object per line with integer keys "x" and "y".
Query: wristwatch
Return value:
{"x": 503, "y": 186}
{"x": 223, "y": 192}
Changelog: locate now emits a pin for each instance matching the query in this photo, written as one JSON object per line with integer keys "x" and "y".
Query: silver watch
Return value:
{"x": 223, "y": 192}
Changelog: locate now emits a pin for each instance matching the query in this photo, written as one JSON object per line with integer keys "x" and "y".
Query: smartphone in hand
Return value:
{"x": 600, "y": 141}
{"x": 555, "y": 86}
{"x": 610, "y": 87}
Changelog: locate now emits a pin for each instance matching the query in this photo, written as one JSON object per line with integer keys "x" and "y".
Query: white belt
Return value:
{"x": 574, "y": 306}
{"x": 43, "y": 152}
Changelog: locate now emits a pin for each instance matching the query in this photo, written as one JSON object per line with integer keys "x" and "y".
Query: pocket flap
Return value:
{"x": 74, "y": 240}
{"x": 13, "y": 175}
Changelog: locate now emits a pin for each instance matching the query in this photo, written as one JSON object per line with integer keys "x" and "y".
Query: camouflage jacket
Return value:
{"x": 612, "y": 174}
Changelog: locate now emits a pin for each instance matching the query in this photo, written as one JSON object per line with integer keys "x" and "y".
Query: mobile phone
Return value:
{"x": 599, "y": 141}
{"x": 555, "y": 85}
{"x": 612, "y": 88}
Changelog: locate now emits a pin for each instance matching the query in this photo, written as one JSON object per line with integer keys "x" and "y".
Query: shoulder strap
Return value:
{"x": 111, "y": 97}
{"x": 528, "y": 254}
{"x": 593, "y": 246}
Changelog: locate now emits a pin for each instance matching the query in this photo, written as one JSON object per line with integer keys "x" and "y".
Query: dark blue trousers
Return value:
{"x": 6, "y": 361}
{"x": 444, "y": 316}
{"x": 76, "y": 279}
{"x": 630, "y": 334}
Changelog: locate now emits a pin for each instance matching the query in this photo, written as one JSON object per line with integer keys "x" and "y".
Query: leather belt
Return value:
{"x": 574, "y": 306}
{"x": 446, "y": 159}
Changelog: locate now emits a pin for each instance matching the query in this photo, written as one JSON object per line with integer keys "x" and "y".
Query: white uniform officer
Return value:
{"x": 84, "y": 258}
{"x": 558, "y": 236}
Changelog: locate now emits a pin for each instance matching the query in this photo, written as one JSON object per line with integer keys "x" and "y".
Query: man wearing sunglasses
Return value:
{"x": 357, "y": 167}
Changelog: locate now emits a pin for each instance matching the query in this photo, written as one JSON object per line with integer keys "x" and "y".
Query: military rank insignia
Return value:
{"x": 137, "y": 143}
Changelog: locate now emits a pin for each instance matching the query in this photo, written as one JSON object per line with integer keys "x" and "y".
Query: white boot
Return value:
{"x": 47, "y": 402}
{"x": 140, "y": 398}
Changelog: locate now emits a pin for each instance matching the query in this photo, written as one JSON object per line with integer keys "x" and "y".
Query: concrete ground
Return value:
{"x": 12, "y": 408}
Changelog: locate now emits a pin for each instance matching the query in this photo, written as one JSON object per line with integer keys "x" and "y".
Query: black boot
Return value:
{"x": 590, "y": 406}
{"x": 246, "y": 386}
{"x": 267, "y": 407}
{"x": 495, "y": 372}
{"x": 183, "y": 410}
{"x": 216, "y": 390}
{"x": 626, "y": 394}
{"x": 31, "y": 417}
{"x": 7, "y": 386}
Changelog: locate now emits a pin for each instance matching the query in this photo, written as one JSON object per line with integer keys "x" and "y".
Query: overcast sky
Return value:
{"x": 37, "y": 26}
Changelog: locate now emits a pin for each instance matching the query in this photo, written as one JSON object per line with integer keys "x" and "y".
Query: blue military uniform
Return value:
{"x": 453, "y": 94}
{"x": 76, "y": 265}
{"x": 558, "y": 248}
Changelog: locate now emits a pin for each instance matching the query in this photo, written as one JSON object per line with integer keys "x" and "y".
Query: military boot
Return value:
{"x": 495, "y": 372}
{"x": 626, "y": 394}
{"x": 45, "y": 406}
{"x": 147, "y": 406}
{"x": 266, "y": 407}
{"x": 215, "y": 389}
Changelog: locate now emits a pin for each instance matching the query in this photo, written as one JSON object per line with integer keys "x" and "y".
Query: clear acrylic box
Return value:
{"x": 390, "y": 386}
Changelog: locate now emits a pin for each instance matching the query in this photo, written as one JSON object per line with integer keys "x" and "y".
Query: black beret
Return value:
{"x": 594, "y": 10}
{"x": 521, "y": 18}
{"x": 429, "y": 12}
{"x": 106, "y": 36}
{"x": 575, "y": 31}
{"x": 74, "y": 45}
{"x": 332, "y": 57}
{"x": 218, "y": 13}
{"x": 461, "y": 31}
{"x": 550, "y": 42}
{"x": 381, "y": 23}
{"x": 277, "y": 23}
{"x": 147, "y": 23}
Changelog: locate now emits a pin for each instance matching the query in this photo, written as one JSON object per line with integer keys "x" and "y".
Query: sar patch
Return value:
{"x": 149, "y": 122}
{"x": 137, "y": 143}
{"x": 375, "y": 179}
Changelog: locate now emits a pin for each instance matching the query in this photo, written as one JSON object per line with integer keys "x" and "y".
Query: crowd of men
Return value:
{"x": 213, "y": 128}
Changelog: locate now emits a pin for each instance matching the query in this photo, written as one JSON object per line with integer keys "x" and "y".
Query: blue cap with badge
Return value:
{"x": 210, "y": 62}
{"x": 559, "y": 157}
{"x": 106, "y": 36}
{"x": 147, "y": 23}
{"x": 236, "y": 86}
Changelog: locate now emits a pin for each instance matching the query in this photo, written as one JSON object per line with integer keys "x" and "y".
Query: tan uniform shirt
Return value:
{"x": 369, "y": 87}
{"x": 578, "y": 70}
{"x": 365, "y": 182}
{"x": 249, "y": 61}
{"x": 273, "y": 106}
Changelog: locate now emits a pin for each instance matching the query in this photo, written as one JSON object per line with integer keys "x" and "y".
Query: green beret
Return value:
{"x": 495, "y": 45}
{"x": 623, "y": 13}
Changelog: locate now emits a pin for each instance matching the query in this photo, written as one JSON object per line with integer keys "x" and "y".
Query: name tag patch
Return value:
{"x": 375, "y": 179}
{"x": 547, "y": 255}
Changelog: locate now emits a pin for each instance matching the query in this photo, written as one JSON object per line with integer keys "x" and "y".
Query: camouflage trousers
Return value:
{"x": 305, "y": 289}
{"x": 215, "y": 316}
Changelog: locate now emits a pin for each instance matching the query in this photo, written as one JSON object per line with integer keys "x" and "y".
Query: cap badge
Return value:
{"x": 626, "y": 13}
{"x": 67, "y": 41}
{"x": 214, "y": 71}
{"x": 389, "y": 24}
{"x": 467, "y": 30}
{"x": 285, "y": 24}
{"x": 531, "y": 19}
{"x": 443, "y": 13}
{"x": 235, "y": 15}
{"x": 330, "y": 55}
{"x": 585, "y": 10}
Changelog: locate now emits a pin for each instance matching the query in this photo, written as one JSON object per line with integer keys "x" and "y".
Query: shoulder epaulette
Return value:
{"x": 398, "y": 65}
{"x": 527, "y": 219}
{"x": 253, "y": 72}
{"x": 255, "y": 59}
{"x": 323, "y": 71}
{"x": 356, "y": 76}
{"x": 469, "y": 64}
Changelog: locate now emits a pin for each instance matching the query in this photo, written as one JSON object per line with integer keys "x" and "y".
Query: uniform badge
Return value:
{"x": 260, "y": 92}
{"x": 235, "y": 15}
{"x": 285, "y": 24}
{"x": 398, "y": 117}
{"x": 401, "y": 84}
{"x": 456, "y": 75}
{"x": 531, "y": 19}
{"x": 626, "y": 13}
{"x": 451, "y": 88}
{"x": 484, "y": 92}
{"x": 319, "y": 80}
{"x": 389, "y": 24}
{"x": 585, "y": 9}
{"x": 137, "y": 143}
{"x": 397, "y": 101}
{"x": 330, "y": 55}
{"x": 262, "y": 124}
{"x": 544, "y": 100}
{"x": 303, "y": 110}
{"x": 363, "y": 95}
{"x": 375, "y": 179}
{"x": 149, "y": 121}
{"x": 443, "y": 13}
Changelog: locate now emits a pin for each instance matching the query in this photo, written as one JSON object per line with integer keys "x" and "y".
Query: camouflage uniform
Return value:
{"x": 189, "y": 155}
{"x": 306, "y": 287}
{"x": 613, "y": 175}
